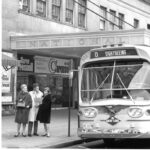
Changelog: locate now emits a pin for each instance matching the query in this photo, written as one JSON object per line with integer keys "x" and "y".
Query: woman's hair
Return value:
{"x": 35, "y": 85}
{"x": 23, "y": 85}
{"x": 47, "y": 89}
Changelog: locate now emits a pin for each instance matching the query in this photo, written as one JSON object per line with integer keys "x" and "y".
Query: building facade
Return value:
{"x": 24, "y": 17}
{"x": 38, "y": 18}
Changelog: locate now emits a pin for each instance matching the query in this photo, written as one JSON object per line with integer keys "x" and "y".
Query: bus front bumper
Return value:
{"x": 100, "y": 135}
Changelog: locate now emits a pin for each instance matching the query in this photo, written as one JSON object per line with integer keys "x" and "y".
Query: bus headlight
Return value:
{"x": 135, "y": 112}
{"x": 90, "y": 112}
{"x": 148, "y": 112}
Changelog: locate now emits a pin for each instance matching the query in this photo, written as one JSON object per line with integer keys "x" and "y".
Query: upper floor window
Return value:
{"x": 136, "y": 23}
{"x": 56, "y": 6}
{"x": 148, "y": 26}
{"x": 112, "y": 19}
{"x": 81, "y": 13}
{"x": 24, "y": 5}
{"x": 69, "y": 11}
{"x": 41, "y": 8}
{"x": 103, "y": 13}
{"x": 121, "y": 21}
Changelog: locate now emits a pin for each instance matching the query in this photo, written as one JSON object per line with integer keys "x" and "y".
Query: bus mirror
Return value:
{"x": 71, "y": 74}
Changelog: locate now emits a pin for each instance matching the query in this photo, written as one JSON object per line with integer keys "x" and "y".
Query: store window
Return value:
{"x": 24, "y": 5}
{"x": 112, "y": 19}
{"x": 53, "y": 72}
{"x": 136, "y": 23}
{"x": 121, "y": 21}
{"x": 56, "y": 6}
{"x": 69, "y": 11}
{"x": 103, "y": 13}
{"x": 25, "y": 71}
{"x": 41, "y": 8}
{"x": 81, "y": 13}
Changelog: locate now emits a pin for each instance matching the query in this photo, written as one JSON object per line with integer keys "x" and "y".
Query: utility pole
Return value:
{"x": 70, "y": 93}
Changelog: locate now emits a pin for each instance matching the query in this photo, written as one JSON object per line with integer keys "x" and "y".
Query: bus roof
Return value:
{"x": 117, "y": 52}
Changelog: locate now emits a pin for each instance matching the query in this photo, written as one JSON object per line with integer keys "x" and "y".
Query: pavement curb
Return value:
{"x": 67, "y": 144}
{"x": 62, "y": 145}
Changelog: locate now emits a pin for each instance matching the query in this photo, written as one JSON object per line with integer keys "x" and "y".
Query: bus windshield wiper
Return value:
{"x": 125, "y": 88}
{"x": 99, "y": 87}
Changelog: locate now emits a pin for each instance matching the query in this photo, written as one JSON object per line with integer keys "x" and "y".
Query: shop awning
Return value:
{"x": 8, "y": 62}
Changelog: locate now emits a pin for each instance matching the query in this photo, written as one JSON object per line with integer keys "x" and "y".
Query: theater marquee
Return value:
{"x": 85, "y": 39}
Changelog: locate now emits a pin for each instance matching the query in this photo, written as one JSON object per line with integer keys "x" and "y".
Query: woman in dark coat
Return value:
{"x": 22, "y": 112}
{"x": 44, "y": 113}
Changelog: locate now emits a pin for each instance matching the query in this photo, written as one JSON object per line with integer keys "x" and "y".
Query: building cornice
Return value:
{"x": 64, "y": 35}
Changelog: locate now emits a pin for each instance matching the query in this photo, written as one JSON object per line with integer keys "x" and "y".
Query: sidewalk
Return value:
{"x": 58, "y": 130}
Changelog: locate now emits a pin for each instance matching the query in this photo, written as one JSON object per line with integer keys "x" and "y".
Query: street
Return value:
{"x": 118, "y": 144}
{"x": 59, "y": 137}
{"x": 58, "y": 131}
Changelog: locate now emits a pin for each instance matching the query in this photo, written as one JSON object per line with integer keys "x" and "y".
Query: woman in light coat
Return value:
{"x": 36, "y": 96}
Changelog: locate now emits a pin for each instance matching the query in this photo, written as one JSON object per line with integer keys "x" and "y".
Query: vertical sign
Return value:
{"x": 6, "y": 86}
{"x": 6, "y": 80}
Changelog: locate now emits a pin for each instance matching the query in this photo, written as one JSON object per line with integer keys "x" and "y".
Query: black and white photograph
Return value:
{"x": 75, "y": 74}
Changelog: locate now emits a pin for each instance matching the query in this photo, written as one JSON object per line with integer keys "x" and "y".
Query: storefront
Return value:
{"x": 48, "y": 72}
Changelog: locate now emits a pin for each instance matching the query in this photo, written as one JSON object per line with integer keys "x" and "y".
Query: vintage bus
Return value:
{"x": 114, "y": 93}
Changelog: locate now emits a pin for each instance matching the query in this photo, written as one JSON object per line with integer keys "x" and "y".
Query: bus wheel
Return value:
{"x": 109, "y": 142}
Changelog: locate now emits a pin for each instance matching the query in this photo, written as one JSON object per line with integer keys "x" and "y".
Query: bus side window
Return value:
{"x": 140, "y": 83}
{"x": 140, "y": 94}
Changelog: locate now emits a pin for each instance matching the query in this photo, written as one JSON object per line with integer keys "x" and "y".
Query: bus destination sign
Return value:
{"x": 113, "y": 53}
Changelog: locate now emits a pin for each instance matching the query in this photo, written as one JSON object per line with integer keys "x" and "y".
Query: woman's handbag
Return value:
{"x": 21, "y": 104}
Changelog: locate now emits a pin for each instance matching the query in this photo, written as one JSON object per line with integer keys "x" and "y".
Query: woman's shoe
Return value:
{"x": 44, "y": 135}
{"x": 29, "y": 135}
{"x": 24, "y": 135}
{"x": 16, "y": 135}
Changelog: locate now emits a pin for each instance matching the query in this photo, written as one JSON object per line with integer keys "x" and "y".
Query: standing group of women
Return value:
{"x": 32, "y": 107}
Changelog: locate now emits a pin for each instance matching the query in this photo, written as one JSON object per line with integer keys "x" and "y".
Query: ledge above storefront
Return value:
{"x": 75, "y": 44}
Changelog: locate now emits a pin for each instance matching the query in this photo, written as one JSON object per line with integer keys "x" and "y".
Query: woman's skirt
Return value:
{"x": 44, "y": 116}
{"x": 22, "y": 115}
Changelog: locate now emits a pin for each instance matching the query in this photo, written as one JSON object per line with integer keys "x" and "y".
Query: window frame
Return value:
{"x": 103, "y": 12}
{"x": 148, "y": 26}
{"x": 113, "y": 19}
{"x": 121, "y": 17}
{"x": 44, "y": 5}
{"x": 25, "y": 8}
{"x": 69, "y": 10}
{"x": 82, "y": 15}
{"x": 57, "y": 7}
{"x": 136, "y": 23}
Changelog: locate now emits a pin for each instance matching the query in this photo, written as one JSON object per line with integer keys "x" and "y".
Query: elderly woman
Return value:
{"x": 44, "y": 113}
{"x": 23, "y": 105}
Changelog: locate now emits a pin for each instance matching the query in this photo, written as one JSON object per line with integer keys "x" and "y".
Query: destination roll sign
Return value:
{"x": 113, "y": 53}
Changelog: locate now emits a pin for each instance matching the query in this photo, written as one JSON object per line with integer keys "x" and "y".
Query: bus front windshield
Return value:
{"x": 128, "y": 80}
